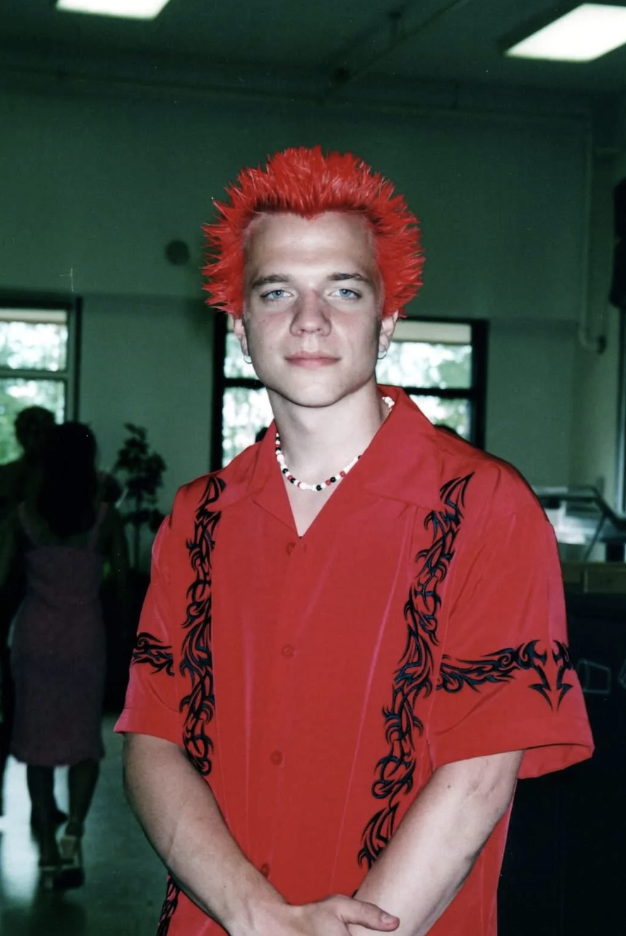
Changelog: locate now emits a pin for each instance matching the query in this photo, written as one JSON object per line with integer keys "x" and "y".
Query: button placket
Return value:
{"x": 284, "y": 651}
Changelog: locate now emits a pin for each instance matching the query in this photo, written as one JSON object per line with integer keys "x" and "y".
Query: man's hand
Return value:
{"x": 329, "y": 917}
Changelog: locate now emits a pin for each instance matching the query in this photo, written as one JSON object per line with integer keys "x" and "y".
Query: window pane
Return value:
{"x": 15, "y": 395}
{"x": 422, "y": 364}
{"x": 234, "y": 364}
{"x": 244, "y": 412}
{"x": 455, "y": 414}
{"x": 33, "y": 345}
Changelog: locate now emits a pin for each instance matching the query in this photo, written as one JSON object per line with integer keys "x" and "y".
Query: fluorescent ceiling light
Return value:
{"x": 128, "y": 9}
{"x": 584, "y": 34}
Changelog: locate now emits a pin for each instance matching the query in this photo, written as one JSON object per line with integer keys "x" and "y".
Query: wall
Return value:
{"x": 530, "y": 403}
{"x": 93, "y": 187}
{"x": 147, "y": 360}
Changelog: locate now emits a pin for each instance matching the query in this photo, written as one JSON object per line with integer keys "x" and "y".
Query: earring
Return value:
{"x": 247, "y": 359}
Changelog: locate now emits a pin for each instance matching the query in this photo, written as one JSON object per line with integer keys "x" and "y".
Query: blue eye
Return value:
{"x": 274, "y": 294}
{"x": 345, "y": 293}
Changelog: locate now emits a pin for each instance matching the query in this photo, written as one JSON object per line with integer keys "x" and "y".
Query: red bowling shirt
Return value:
{"x": 316, "y": 682}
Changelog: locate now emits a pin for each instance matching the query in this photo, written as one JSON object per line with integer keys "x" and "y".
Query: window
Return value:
{"x": 441, "y": 364}
{"x": 36, "y": 364}
{"x": 244, "y": 405}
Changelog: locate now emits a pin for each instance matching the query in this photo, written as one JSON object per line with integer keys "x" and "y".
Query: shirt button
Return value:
{"x": 290, "y": 548}
{"x": 265, "y": 869}
{"x": 276, "y": 758}
{"x": 288, "y": 651}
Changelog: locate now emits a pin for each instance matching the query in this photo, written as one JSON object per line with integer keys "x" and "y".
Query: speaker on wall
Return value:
{"x": 617, "y": 296}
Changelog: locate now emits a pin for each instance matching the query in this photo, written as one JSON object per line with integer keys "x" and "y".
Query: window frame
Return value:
{"x": 72, "y": 306}
{"x": 476, "y": 393}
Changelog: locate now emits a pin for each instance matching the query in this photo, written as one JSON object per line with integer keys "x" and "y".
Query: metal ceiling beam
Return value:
{"x": 59, "y": 81}
{"x": 399, "y": 37}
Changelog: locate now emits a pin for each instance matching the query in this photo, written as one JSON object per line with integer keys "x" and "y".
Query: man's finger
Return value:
{"x": 366, "y": 914}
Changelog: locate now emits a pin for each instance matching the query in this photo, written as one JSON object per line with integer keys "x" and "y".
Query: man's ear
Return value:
{"x": 240, "y": 333}
{"x": 387, "y": 327}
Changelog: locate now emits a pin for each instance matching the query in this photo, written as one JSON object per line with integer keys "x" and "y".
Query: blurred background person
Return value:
{"x": 64, "y": 533}
{"x": 19, "y": 480}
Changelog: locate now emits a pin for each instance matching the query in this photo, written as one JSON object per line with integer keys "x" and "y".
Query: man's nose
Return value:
{"x": 311, "y": 313}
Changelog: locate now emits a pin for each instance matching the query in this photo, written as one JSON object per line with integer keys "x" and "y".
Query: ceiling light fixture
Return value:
{"x": 126, "y": 9}
{"x": 582, "y": 35}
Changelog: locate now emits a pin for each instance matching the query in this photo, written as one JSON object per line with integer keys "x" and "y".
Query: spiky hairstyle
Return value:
{"x": 307, "y": 182}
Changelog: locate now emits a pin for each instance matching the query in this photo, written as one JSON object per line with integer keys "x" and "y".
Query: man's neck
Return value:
{"x": 318, "y": 442}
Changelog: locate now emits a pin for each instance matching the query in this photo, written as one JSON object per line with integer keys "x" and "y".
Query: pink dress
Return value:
{"x": 58, "y": 654}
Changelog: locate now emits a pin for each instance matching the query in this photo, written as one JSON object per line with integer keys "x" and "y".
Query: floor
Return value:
{"x": 124, "y": 878}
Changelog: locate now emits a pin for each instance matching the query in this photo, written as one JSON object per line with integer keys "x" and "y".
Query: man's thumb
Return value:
{"x": 369, "y": 915}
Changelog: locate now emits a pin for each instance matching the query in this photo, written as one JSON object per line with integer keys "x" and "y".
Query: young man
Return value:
{"x": 354, "y": 640}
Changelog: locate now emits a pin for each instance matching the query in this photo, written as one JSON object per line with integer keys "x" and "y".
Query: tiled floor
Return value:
{"x": 125, "y": 880}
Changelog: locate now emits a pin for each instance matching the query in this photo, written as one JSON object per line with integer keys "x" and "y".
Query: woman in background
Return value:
{"x": 58, "y": 651}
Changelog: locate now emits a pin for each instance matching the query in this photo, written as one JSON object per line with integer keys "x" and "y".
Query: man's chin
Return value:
{"x": 309, "y": 398}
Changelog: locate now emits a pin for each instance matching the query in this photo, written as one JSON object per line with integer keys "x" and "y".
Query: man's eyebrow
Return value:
{"x": 340, "y": 277}
{"x": 272, "y": 278}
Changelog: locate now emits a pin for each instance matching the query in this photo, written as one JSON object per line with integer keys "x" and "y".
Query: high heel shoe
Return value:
{"x": 72, "y": 873}
{"x": 49, "y": 875}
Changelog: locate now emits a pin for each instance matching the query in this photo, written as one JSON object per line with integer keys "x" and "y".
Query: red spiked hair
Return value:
{"x": 307, "y": 182}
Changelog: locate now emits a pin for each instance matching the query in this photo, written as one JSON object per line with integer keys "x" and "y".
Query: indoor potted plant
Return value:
{"x": 142, "y": 471}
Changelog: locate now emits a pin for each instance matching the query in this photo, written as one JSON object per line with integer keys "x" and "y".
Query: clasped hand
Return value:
{"x": 329, "y": 917}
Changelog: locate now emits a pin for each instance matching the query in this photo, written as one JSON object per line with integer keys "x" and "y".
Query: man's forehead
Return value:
{"x": 300, "y": 238}
{"x": 292, "y": 250}
{"x": 275, "y": 222}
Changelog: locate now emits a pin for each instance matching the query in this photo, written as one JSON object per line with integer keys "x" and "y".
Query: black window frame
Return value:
{"x": 72, "y": 306}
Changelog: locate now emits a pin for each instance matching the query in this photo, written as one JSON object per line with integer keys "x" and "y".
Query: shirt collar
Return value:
{"x": 400, "y": 463}
{"x": 402, "y": 460}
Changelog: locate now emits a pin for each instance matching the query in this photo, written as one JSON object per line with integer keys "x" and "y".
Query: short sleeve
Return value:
{"x": 506, "y": 681}
{"x": 152, "y": 706}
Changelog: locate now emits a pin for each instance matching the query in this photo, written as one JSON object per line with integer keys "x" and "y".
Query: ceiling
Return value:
{"x": 320, "y": 49}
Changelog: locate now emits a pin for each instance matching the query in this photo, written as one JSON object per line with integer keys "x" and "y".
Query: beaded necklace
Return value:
{"x": 280, "y": 458}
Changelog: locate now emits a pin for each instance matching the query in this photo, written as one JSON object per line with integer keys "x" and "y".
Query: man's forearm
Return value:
{"x": 435, "y": 847}
{"x": 183, "y": 822}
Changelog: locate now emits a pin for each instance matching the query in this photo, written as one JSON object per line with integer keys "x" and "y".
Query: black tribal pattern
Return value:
{"x": 500, "y": 666}
{"x": 149, "y": 649}
{"x": 169, "y": 907}
{"x": 197, "y": 657}
{"x": 563, "y": 661}
{"x": 503, "y": 666}
{"x": 414, "y": 677}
